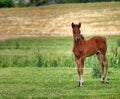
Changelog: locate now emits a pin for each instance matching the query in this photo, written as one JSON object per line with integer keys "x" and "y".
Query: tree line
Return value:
{"x": 25, "y": 3}
{"x": 82, "y": 1}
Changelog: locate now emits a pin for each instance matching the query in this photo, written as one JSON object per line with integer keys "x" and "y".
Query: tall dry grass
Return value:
{"x": 96, "y": 18}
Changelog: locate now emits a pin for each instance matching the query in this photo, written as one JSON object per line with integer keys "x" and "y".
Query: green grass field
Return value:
{"x": 55, "y": 83}
{"x": 21, "y": 75}
{"x": 48, "y": 52}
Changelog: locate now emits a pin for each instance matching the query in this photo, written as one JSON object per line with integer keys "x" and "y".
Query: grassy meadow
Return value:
{"x": 42, "y": 66}
{"x": 55, "y": 83}
{"x": 48, "y": 52}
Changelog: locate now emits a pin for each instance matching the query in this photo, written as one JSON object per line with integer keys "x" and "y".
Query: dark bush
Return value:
{"x": 96, "y": 72}
{"x": 6, "y": 3}
{"x": 39, "y": 61}
{"x": 41, "y": 2}
{"x": 118, "y": 42}
{"x": 81, "y": 1}
{"x": 23, "y": 4}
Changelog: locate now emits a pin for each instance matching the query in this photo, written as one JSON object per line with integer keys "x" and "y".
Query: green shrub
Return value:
{"x": 118, "y": 42}
{"x": 6, "y": 3}
{"x": 114, "y": 58}
{"x": 23, "y": 4}
{"x": 96, "y": 72}
{"x": 3, "y": 61}
{"x": 39, "y": 61}
{"x": 41, "y": 2}
{"x": 17, "y": 44}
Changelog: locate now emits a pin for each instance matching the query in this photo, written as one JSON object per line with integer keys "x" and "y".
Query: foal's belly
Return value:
{"x": 91, "y": 51}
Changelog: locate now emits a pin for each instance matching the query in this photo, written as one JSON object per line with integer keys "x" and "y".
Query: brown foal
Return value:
{"x": 84, "y": 48}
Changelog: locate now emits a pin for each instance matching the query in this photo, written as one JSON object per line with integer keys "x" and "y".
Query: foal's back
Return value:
{"x": 96, "y": 44}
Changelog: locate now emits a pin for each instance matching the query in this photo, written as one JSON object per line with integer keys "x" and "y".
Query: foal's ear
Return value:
{"x": 79, "y": 25}
{"x": 73, "y": 25}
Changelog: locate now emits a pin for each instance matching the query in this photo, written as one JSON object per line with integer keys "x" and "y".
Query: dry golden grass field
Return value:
{"x": 96, "y": 18}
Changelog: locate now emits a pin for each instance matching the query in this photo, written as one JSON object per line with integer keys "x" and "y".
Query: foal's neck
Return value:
{"x": 79, "y": 44}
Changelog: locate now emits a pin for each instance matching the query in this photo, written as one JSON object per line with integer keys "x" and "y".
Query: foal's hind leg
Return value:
{"x": 104, "y": 66}
{"x": 100, "y": 58}
{"x": 105, "y": 63}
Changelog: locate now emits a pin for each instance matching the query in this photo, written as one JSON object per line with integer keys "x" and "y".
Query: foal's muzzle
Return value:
{"x": 77, "y": 39}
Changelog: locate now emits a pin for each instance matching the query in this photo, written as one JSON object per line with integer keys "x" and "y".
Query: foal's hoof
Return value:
{"x": 107, "y": 82}
{"x": 80, "y": 85}
{"x": 108, "y": 79}
{"x": 102, "y": 82}
{"x": 103, "y": 78}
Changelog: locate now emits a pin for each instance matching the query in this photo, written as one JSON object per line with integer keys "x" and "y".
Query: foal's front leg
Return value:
{"x": 80, "y": 67}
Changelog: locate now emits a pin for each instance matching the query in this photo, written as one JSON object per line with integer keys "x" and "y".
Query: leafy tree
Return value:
{"x": 6, "y": 3}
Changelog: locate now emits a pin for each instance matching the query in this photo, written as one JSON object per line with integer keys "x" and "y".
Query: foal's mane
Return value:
{"x": 82, "y": 36}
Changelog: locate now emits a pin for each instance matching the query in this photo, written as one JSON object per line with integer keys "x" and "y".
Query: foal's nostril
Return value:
{"x": 77, "y": 39}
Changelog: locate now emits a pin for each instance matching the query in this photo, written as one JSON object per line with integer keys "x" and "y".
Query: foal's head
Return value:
{"x": 76, "y": 32}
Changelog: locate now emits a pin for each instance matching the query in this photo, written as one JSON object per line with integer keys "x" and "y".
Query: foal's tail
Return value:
{"x": 105, "y": 39}
{"x": 105, "y": 42}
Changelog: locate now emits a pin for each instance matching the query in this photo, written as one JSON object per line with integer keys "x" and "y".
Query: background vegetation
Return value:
{"x": 81, "y": 1}
{"x": 23, "y": 3}
{"x": 49, "y": 52}
{"x": 6, "y": 3}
